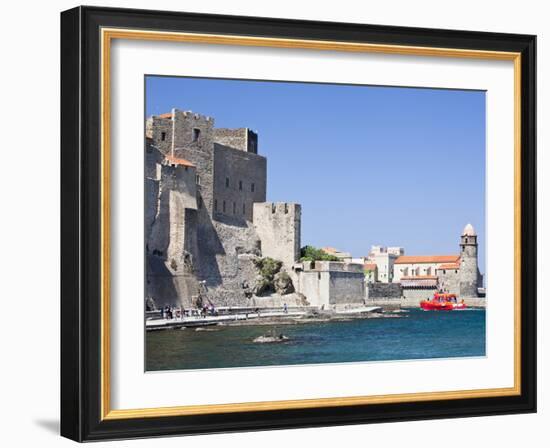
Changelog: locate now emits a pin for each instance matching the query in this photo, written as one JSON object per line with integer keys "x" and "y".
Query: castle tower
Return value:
{"x": 278, "y": 225}
{"x": 468, "y": 276}
{"x": 192, "y": 139}
{"x": 171, "y": 220}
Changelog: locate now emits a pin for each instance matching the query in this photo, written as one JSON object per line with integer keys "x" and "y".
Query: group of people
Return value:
{"x": 169, "y": 312}
{"x": 202, "y": 310}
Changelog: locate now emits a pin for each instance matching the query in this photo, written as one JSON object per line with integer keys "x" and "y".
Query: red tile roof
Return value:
{"x": 177, "y": 161}
{"x": 419, "y": 277}
{"x": 409, "y": 259}
{"x": 369, "y": 266}
{"x": 449, "y": 266}
{"x": 165, "y": 115}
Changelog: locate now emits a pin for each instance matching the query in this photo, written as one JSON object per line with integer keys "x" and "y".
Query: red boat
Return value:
{"x": 442, "y": 302}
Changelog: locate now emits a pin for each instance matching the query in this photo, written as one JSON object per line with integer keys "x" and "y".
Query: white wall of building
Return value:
{"x": 413, "y": 269}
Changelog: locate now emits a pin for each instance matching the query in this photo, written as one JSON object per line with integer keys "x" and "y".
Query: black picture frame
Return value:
{"x": 81, "y": 224}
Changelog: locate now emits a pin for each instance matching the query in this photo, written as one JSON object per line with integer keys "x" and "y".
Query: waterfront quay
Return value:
{"x": 242, "y": 315}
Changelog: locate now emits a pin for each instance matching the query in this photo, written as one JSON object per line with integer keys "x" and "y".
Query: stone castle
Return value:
{"x": 207, "y": 220}
{"x": 208, "y": 227}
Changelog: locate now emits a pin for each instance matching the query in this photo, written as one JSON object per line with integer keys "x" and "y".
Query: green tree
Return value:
{"x": 310, "y": 253}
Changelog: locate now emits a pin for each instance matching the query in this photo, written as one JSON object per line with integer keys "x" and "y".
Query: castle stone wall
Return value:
{"x": 176, "y": 193}
{"x": 153, "y": 160}
{"x": 170, "y": 223}
{"x": 152, "y": 205}
{"x": 328, "y": 284}
{"x": 199, "y": 150}
{"x": 315, "y": 286}
{"x": 242, "y": 139}
{"x": 159, "y": 131}
{"x": 227, "y": 263}
{"x": 346, "y": 287}
{"x": 278, "y": 227}
{"x": 239, "y": 182}
{"x": 381, "y": 291}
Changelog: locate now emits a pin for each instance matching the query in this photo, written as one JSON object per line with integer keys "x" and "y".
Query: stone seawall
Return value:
{"x": 415, "y": 295}
{"x": 384, "y": 291}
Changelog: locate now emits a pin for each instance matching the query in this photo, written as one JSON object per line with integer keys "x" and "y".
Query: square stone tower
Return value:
{"x": 278, "y": 227}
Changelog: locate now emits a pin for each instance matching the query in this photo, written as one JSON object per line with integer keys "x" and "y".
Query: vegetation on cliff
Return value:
{"x": 311, "y": 253}
{"x": 271, "y": 278}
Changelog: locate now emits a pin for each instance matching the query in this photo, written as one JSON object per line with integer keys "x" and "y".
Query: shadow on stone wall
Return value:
{"x": 231, "y": 220}
{"x": 160, "y": 282}
{"x": 209, "y": 245}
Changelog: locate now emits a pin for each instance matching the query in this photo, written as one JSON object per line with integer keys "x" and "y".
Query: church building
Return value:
{"x": 421, "y": 276}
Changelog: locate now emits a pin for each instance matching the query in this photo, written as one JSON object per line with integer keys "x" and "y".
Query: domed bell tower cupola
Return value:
{"x": 469, "y": 238}
{"x": 468, "y": 263}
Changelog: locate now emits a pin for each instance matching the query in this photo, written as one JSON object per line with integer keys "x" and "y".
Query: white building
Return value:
{"x": 384, "y": 258}
{"x": 424, "y": 267}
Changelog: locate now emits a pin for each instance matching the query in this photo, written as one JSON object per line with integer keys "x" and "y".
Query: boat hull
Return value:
{"x": 444, "y": 306}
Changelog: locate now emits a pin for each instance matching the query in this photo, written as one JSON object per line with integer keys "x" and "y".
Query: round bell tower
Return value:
{"x": 468, "y": 263}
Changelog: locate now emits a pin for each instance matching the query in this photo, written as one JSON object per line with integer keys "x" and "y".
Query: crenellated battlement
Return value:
{"x": 192, "y": 117}
{"x": 278, "y": 225}
{"x": 186, "y": 114}
{"x": 281, "y": 208}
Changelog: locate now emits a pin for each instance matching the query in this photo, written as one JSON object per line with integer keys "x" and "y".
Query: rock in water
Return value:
{"x": 270, "y": 339}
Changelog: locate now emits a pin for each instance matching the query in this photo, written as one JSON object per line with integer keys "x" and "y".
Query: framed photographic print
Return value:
{"x": 274, "y": 223}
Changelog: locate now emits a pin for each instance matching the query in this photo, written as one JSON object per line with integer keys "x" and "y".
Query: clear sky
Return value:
{"x": 370, "y": 165}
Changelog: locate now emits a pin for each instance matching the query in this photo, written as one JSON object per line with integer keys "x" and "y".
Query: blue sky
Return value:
{"x": 369, "y": 164}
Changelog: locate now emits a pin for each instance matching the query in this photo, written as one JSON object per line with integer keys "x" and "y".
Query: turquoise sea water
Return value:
{"x": 415, "y": 335}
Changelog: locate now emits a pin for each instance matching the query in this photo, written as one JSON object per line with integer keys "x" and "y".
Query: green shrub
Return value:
{"x": 310, "y": 253}
{"x": 268, "y": 267}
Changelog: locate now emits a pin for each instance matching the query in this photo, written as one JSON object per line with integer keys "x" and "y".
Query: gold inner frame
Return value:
{"x": 107, "y": 35}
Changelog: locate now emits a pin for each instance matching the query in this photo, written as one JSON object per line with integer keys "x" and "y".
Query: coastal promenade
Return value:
{"x": 203, "y": 321}
{"x": 236, "y": 315}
